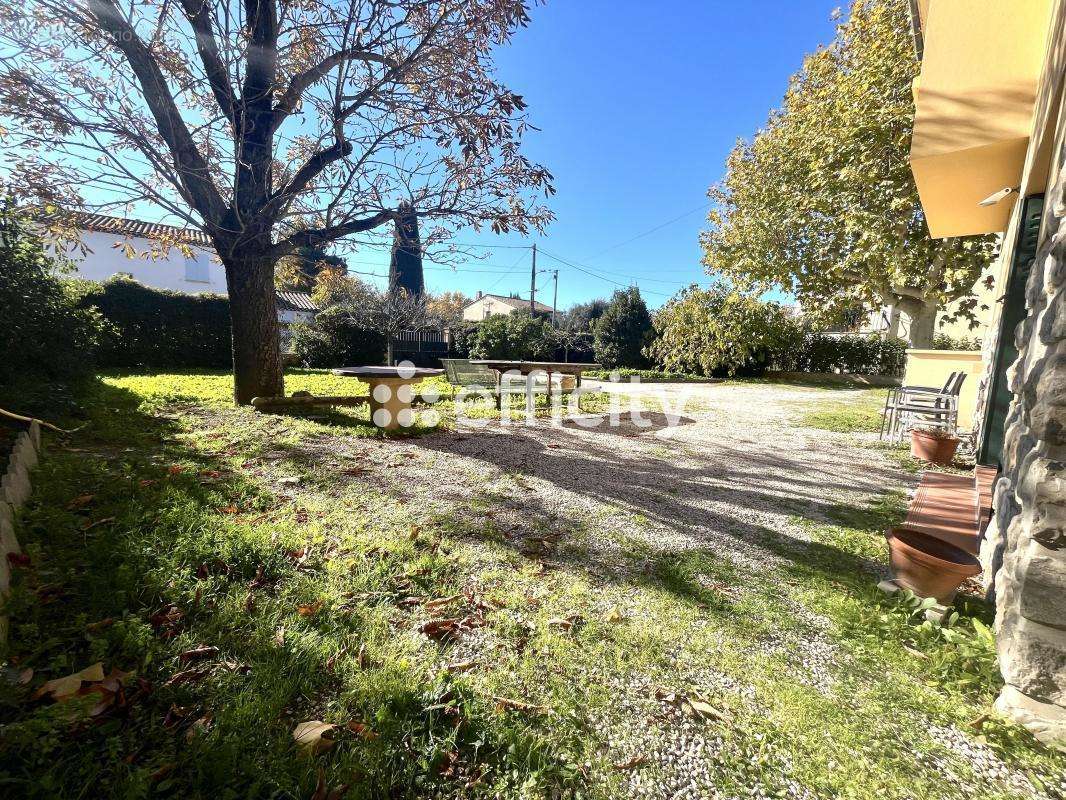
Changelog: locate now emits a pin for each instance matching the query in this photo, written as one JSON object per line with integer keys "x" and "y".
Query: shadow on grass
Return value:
{"x": 144, "y": 551}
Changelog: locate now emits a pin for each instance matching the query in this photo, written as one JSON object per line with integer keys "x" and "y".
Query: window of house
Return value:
{"x": 197, "y": 270}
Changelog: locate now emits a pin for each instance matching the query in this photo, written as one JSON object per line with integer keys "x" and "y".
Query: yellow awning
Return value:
{"x": 974, "y": 108}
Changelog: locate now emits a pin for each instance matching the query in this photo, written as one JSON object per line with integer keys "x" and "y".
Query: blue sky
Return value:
{"x": 639, "y": 104}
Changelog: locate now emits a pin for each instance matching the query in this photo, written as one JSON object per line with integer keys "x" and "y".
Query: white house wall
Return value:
{"x": 102, "y": 260}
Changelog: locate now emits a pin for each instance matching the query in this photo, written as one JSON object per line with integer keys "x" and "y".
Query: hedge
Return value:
{"x": 850, "y": 354}
{"x": 44, "y": 333}
{"x": 159, "y": 329}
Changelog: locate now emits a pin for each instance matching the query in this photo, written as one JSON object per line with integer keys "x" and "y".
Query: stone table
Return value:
{"x": 390, "y": 392}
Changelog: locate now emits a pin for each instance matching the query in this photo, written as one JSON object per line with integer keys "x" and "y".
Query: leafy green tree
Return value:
{"x": 822, "y": 201}
{"x": 518, "y": 336}
{"x": 581, "y": 317}
{"x": 299, "y": 271}
{"x": 623, "y": 331}
{"x": 43, "y": 332}
{"x": 338, "y": 338}
{"x": 720, "y": 331}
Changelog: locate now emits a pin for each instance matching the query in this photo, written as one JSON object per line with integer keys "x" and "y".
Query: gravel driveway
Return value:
{"x": 734, "y": 466}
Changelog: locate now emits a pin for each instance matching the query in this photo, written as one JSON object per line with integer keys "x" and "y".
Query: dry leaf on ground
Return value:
{"x": 630, "y": 763}
{"x": 314, "y": 736}
{"x": 67, "y": 686}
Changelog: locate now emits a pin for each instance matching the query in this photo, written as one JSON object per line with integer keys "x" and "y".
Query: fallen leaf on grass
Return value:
{"x": 187, "y": 676}
{"x": 323, "y": 792}
{"x": 216, "y": 566}
{"x": 96, "y": 627}
{"x": 175, "y": 469}
{"x": 229, "y": 510}
{"x": 18, "y": 559}
{"x": 362, "y": 730}
{"x": 167, "y": 620}
{"x": 566, "y": 623}
{"x": 440, "y": 629}
{"x": 461, "y": 666}
{"x": 702, "y": 710}
{"x": 199, "y": 726}
{"x": 161, "y": 773}
{"x": 506, "y": 704}
{"x": 309, "y": 609}
{"x": 630, "y": 763}
{"x": 313, "y": 736}
{"x": 441, "y": 602}
{"x": 80, "y": 501}
{"x": 279, "y": 637}
{"x": 198, "y": 653}
{"x": 615, "y": 616}
{"x": 67, "y": 686}
{"x": 692, "y": 704}
{"x": 978, "y": 723}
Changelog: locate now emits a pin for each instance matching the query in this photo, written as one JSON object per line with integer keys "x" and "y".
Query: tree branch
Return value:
{"x": 300, "y": 83}
{"x": 314, "y": 237}
{"x": 190, "y": 164}
{"x": 207, "y": 47}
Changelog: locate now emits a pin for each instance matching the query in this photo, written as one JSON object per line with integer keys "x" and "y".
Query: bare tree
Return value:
{"x": 271, "y": 125}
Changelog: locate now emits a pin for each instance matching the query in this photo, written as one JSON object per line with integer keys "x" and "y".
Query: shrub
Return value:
{"x": 159, "y": 329}
{"x": 719, "y": 331}
{"x": 519, "y": 336}
{"x": 623, "y": 331}
{"x": 336, "y": 339}
{"x": 43, "y": 331}
{"x": 462, "y": 339}
{"x": 843, "y": 353}
{"x": 944, "y": 341}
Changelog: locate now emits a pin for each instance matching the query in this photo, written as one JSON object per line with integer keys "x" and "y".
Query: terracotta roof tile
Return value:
{"x": 123, "y": 226}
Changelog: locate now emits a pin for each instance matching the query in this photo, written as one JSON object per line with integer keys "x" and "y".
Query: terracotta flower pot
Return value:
{"x": 933, "y": 448}
{"x": 928, "y": 566}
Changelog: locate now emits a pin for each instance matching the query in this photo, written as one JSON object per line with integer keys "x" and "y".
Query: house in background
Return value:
{"x": 294, "y": 308}
{"x": 107, "y": 244}
{"x": 485, "y": 305}
{"x": 162, "y": 257}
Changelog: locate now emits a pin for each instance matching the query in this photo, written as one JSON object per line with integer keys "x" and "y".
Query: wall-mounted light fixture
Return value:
{"x": 992, "y": 199}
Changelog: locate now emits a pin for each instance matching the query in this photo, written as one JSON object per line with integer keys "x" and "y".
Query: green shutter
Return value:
{"x": 999, "y": 395}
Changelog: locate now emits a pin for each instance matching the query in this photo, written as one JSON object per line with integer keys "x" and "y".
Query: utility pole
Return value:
{"x": 533, "y": 282}
{"x": 555, "y": 296}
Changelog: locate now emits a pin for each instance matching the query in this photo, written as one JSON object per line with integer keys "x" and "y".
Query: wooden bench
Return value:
{"x": 953, "y": 508}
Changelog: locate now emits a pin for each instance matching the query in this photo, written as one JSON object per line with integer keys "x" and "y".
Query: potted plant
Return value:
{"x": 935, "y": 445}
{"x": 928, "y": 566}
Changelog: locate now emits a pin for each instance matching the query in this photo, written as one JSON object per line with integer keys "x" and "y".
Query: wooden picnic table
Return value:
{"x": 390, "y": 392}
{"x": 530, "y": 369}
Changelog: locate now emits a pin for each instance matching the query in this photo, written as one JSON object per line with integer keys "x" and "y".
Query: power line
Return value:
{"x": 650, "y": 231}
{"x": 514, "y": 266}
{"x": 588, "y": 271}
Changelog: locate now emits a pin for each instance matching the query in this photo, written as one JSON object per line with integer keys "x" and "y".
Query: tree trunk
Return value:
{"x": 257, "y": 367}
{"x": 923, "y": 325}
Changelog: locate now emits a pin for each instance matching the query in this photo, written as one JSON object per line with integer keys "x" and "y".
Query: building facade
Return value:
{"x": 485, "y": 305}
{"x": 989, "y": 156}
{"x": 163, "y": 257}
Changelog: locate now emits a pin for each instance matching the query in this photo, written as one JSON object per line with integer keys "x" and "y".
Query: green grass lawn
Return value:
{"x": 860, "y": 415}
{"x": 246, "y": 589}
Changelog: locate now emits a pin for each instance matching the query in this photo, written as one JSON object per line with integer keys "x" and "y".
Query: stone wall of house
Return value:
{"x": 1029, "y": 531}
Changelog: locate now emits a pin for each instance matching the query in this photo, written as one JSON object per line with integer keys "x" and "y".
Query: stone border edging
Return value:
{"x": 14, "y": 490}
